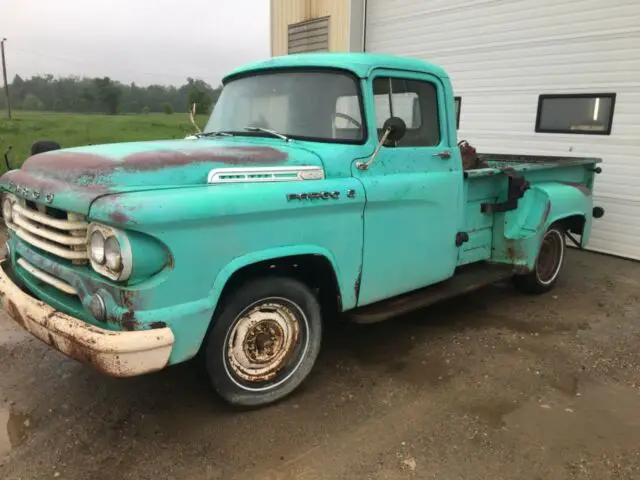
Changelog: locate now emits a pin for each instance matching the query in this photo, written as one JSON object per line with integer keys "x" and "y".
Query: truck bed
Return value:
{"x": 487, "y": 184}
{"x": 494, "y": 163}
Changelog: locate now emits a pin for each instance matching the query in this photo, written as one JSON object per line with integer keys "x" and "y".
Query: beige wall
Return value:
{"x": 286, "y": 12}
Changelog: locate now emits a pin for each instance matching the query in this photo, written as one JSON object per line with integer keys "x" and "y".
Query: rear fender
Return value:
{"x": 570, "y": 200}
{"x": 517, "y": 239}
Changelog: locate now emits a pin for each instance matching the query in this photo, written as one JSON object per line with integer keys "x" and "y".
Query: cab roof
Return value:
{"x": 361, "y": 64}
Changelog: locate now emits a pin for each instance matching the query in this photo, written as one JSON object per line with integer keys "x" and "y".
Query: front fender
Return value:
{"x": 347, "y": 295}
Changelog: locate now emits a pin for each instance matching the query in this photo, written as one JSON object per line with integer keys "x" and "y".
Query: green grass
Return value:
{"x": 72, "y": 130}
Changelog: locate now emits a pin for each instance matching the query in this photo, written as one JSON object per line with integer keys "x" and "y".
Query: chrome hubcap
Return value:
{"x": 262, "y": 341}
{"x": 550, "y": 257}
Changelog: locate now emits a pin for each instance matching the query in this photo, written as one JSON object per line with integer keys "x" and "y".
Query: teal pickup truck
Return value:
{"x": 323, "y": 186}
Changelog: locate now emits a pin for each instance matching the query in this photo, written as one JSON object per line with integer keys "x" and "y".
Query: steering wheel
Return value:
{"x": 347, "y": 118}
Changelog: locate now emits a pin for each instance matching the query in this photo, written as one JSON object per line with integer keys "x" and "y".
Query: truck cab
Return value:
{"x": 323, "y": 186}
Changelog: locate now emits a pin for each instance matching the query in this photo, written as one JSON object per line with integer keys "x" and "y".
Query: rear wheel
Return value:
{"x": 548, "y": 263}
{"x": 264, "y": 341}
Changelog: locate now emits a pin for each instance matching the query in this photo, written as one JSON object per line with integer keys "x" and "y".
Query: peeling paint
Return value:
{"x": 356, "y": 285}
{"x": 545, "y": 215}
{"x": 112, "y": 353}
{"x": 580, "y": 186}
{"x": 90, "y": 169}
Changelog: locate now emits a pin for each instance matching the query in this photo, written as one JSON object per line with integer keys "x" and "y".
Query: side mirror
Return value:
{"x": 394, "y": 129}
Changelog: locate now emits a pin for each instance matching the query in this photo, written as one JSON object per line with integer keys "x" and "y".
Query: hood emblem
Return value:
{"x": 265, "y": 174}
{"x": 30, "y": 193}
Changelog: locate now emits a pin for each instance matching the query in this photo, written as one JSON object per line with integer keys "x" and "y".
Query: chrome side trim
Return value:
{"x": 46, "y": 278}
{"x": 265, "y": 174}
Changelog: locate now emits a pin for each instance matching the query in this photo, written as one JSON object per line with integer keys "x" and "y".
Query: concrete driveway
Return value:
{"x": 494, "y": 385}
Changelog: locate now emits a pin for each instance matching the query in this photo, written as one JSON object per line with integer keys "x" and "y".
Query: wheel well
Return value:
{"x": 315, "y": 271}
{"x": 574, "y": 223}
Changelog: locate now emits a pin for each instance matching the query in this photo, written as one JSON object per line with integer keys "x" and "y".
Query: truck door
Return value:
{"x": 413, "y": 189}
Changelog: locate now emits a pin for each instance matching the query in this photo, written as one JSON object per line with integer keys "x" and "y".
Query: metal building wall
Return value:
{"x": 286, "y": 12}
{"x": 501, "y": 55}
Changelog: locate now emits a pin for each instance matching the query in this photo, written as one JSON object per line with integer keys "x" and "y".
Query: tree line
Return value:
{"x": 105, "y": 95}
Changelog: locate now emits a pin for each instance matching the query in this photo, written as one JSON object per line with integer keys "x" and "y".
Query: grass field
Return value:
{"x": 77, "y": 129}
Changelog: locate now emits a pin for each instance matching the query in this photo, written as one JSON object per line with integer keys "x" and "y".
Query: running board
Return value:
{"x": 467, "y": 279}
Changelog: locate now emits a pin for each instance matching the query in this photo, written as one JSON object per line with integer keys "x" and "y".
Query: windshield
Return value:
{"x": 323, "y": 106}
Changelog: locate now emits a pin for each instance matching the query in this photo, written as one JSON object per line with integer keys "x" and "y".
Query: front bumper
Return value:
{"x": 120, "y": 354}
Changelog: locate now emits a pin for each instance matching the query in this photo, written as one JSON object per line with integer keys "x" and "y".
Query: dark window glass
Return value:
{"x": 458, "y": 107}
{"x": 590, "y": 114}
{"x": 414, "y": 101}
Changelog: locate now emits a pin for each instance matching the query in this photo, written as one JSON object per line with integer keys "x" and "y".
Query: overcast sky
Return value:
{"x": 146, "y": 41}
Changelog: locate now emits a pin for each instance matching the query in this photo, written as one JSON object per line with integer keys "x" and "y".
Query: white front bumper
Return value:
{"x": 120, "y": 354}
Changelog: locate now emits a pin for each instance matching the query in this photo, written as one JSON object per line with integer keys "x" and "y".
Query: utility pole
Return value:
{"x": 4, "y": 76}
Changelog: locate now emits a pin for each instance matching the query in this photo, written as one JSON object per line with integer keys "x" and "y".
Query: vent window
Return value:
{"x": 309, "y": 36}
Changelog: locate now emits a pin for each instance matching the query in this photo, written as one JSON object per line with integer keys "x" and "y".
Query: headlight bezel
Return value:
{"x": 13, "y": 200}
{"x": 126, "y": 257}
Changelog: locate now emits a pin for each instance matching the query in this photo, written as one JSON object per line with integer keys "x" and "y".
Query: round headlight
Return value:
{"x": 7, "y": 210}
{"x": 96, "y": 245}
{"x": 113, "y": 254}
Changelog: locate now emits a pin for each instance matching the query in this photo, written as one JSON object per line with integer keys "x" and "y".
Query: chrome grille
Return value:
{"x": 64, "y": 237}
{"x": 47, "y": 278}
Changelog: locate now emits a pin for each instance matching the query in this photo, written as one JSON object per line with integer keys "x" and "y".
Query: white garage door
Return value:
{"x": 502, "y": 55}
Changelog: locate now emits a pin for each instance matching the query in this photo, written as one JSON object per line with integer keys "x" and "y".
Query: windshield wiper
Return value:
{"x": 265, "y": 130}
{"x": 218, "y": 133}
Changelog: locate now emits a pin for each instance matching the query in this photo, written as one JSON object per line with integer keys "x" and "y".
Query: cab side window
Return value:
{"x": 415, "y": 102}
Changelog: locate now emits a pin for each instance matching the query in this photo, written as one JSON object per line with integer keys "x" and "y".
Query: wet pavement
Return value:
{"x": 493, "y": 385}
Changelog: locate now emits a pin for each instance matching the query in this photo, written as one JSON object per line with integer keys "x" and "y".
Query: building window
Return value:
{"x": 413, "y": 101}
{"x": 309, "y": 36}
{"x": 458, "y": 106}
{"x": 586, "y": 114}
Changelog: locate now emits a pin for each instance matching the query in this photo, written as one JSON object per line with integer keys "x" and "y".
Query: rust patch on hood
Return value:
{"x": 49, "y": 185}
{"x": 90, "y": 164}
{"x": 119, "y": 217}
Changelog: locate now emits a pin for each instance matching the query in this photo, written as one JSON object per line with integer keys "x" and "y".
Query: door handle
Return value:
{"x": 444, "y": 155}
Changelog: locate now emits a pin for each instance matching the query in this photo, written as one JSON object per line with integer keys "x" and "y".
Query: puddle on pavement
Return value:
{"x": 13, "y": 429}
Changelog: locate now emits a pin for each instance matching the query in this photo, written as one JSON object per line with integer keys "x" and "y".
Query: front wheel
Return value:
{"x": 264, "y": 342}
{"x": 548, "y": 264}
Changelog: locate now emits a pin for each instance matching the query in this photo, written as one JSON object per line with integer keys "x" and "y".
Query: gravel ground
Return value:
{"x": 493, "y": 385}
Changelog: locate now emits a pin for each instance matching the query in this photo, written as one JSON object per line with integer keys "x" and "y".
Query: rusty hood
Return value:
{"x": 72, "y": 178}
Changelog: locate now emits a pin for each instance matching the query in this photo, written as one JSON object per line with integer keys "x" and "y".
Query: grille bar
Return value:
{"x": 31, "y": 227}
{"x": 49, "y": 221}
{"x": 60, "y": 233}
{"x": 51, "y": 247}
{"x": 47, "y": 278}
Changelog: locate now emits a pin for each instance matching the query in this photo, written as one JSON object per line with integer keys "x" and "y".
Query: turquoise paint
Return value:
{"x": 361, "y": 64}
{"x": 410, "y": 193}
{"x": 394, "y": 233}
